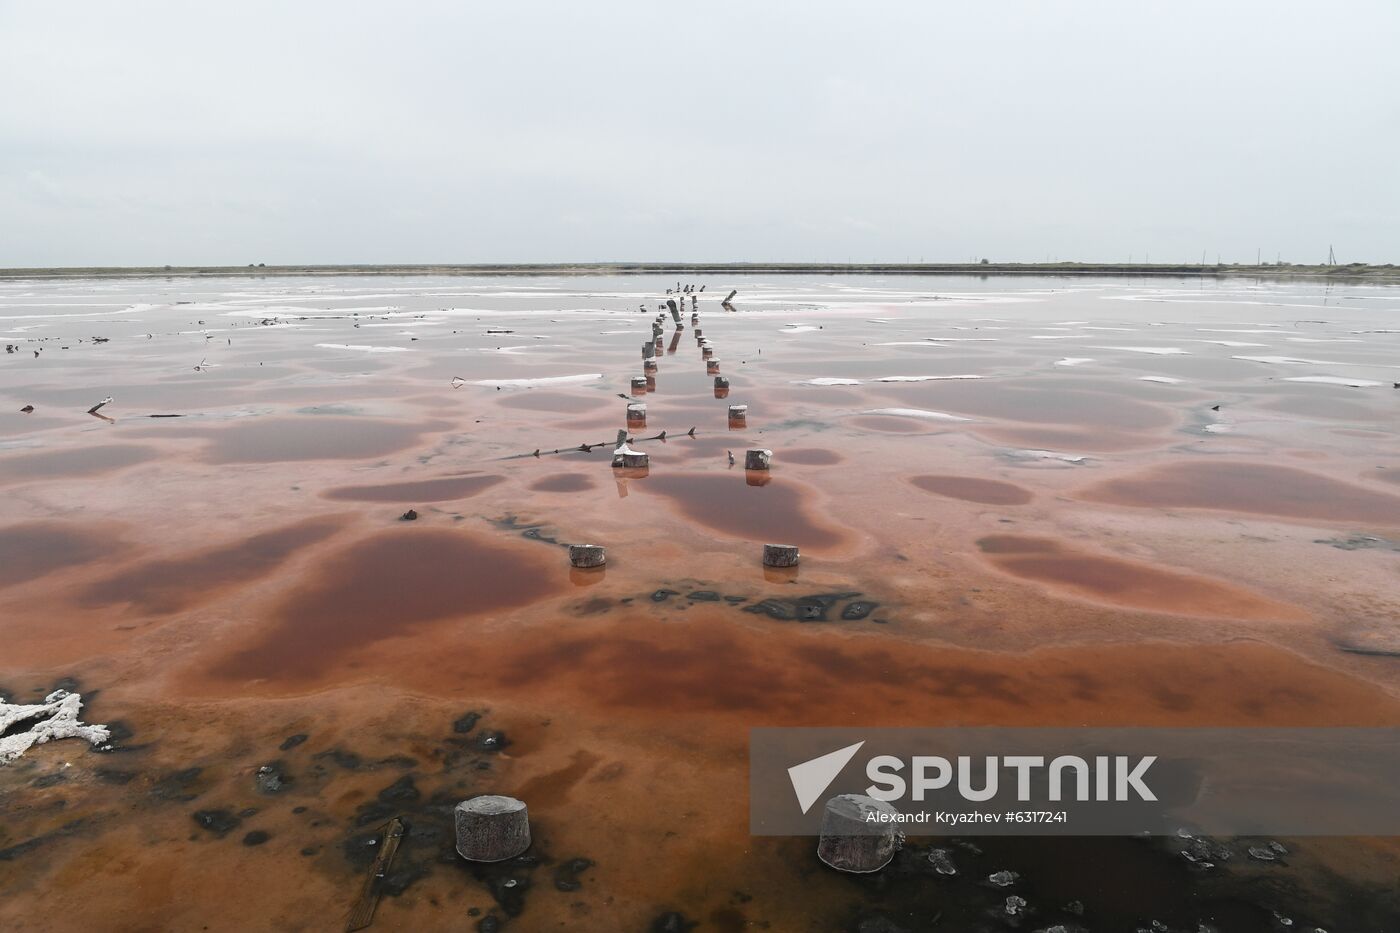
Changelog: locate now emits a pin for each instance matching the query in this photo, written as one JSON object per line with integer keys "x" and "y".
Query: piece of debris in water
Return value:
{"x": 94, "y": 409}
{"x": 23, "y": 726}
{"x": 362, "y": 914}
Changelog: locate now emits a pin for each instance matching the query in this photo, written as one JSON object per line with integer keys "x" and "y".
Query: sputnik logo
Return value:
{"x": 811, "y": 778}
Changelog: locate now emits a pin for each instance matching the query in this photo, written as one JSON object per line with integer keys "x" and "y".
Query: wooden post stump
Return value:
{"x": 649, "y": 350}
{"x": 712, "y": 365}
{"x": 853, "y": 841}
{"x": 707, "y": 353}
{"x": 758, "y": 458}
{"x": 649, "y": 368}
{"x": 631, "y": 459}
{"x": 780, "y": 555}
{"x": 587, "y": 555}
{"x": 639, "y": 383}
{"x": 637, "y": 414}
{"x": 625, "y": 456}
{"x": 675, "y": 311}
{"x": 738, "y": 415}
{"x": 731, "y": 297}
{"x": 492, "y": 828}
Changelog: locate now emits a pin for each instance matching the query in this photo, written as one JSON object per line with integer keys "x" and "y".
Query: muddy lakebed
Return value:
{"x": 1019, "y": 501}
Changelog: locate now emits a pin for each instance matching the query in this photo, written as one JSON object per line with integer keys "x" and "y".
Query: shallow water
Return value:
{"x": 1064, "y": 539}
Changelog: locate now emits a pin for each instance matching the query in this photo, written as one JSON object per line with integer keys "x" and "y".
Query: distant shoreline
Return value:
{"x": 1355, "y": 272}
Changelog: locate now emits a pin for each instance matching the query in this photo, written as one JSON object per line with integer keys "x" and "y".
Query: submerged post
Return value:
{"x": 637, "y": 414}
{"x": 639, "y": 383}
{"x": 758, "y": 458}
{"x": 738, "y": 416}
{"x": 781, "y": 555}
{"x": 492, "y": 828}
{"x": 854, "y": 836}
{"x": 587, "y": 555}
{"x": 712, "y": 365}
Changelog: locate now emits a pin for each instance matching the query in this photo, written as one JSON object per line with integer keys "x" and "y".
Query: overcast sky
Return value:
{"x": 140, "y": 133}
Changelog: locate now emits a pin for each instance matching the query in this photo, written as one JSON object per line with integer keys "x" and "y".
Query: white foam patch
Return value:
{"x": 1336, "y": 381}
{"x": 924, "y": 378}
{"x": 1288, "y": 360}
{"x": 1165, "y": 380}
{"x": 1322, "y": 339}
{"x": 798, "y": 328}
{"x": 923, "y": 413}
{"x": 1237, "y": 330}
{"x": 1045, "y": 455}
{"x": 55, "y": 718}
{"x": 48, "y": 317}
{"x": 1074, "y": 361}
{"x": 1233, "y": 343}
{"x": 509, "y": 351}
{"x": 539, "y": 381}
{"x": 1155, "y": 351}
{"x": 827, "y": 381}
{"x": 363, "y": 347}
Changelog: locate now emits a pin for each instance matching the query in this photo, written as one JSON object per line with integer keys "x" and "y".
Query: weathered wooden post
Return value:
{"x": 781, "y": 555}
{"x": 637, "y": 415}
{"x": 758, "y": 459}
{"x": 639, "y": 383}
{"x": 707, "y": 353}
{"x": 491, "y": 828}
{"x": 624, "y": 456}
{"x": 859, "y": 834}
{"x": 698, "y": 334}
{"x": 721, "y": 387}
{"x": 649, "y": 369}
{"x": 649, "y": 350}
{"x": 675, "y": 312}
{"x": 587, "y": 555}
{"x": 738, "y": 416}
{"x": 694, "y": 318}
{"x": 712, "y": 365}
{"x": 726, "y": 301}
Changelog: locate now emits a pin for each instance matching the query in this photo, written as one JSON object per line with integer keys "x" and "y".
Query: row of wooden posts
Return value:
{"x": 493, "y": 828}
{"x": 759, "y": 460}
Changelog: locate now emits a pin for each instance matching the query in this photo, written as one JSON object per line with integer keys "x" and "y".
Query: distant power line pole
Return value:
{"x": 1331, "y": 256}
